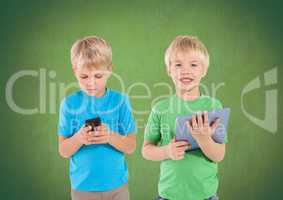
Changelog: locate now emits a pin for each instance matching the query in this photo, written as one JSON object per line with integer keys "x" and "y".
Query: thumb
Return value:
{"x": 86, "y": 128}
{"x": 215, "y": 124}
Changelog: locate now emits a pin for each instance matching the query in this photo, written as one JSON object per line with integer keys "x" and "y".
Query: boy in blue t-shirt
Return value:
{"x": 98, "y": 169}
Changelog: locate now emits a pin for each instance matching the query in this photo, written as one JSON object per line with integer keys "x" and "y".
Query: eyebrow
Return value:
{"x": 190, "y": 61}
{"x": 176, "y": 61}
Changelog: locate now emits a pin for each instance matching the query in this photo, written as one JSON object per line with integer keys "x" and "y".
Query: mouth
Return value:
{"x": 91, "y": 90}
{"x": 186, "y": 80}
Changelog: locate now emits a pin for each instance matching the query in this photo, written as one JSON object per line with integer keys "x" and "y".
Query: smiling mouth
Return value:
{"x": 186, "y": 80}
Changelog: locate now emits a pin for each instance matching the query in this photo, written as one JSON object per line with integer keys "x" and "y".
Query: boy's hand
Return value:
{"x": 102, "y": 135}
{"x": 84, "y": 136}
{"x": 200, "y": 128}
{"x": 176, "y": 150}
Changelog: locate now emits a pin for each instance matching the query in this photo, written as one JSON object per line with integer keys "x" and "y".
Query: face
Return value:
{"x": 186, "y": 70}
{"x": 92, "y": 81}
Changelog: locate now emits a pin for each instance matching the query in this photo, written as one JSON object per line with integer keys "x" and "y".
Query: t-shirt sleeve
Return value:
{"x": 127, "y": 124}
{"x": 64, "y": 123}
{"x": 218, "y": 105}
{"x": 152, "y": 130}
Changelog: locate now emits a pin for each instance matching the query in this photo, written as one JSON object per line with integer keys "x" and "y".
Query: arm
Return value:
{"x": 70, "y": 145}
{"x": 125, "y": 144}
{"x": 211, "y": 149}
{"x": 151, "y": 151}
{"x": 202, "y": 131}
{"x": 174, "y": 150}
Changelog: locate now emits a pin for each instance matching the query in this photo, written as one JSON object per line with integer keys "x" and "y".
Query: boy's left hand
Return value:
{"x": 102, "y": 135}
{"x": 200, "y": 128}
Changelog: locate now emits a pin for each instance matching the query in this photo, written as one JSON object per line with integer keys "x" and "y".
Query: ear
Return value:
{"x": 75, "y": 69}
{"x": 110, "y": 68}
{"x": 168, "y": 70}
{"x": 205, "y": 68}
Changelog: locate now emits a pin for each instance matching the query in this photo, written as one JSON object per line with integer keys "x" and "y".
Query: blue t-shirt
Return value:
{"x": 97, "y": 167}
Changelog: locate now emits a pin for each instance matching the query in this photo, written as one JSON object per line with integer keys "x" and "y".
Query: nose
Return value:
{"x": 186, "y": 70}
{"x": 91, "y": 82}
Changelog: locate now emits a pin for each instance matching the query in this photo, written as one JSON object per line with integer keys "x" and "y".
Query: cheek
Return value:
{"x": 100, "y": 81}
{"x": 175, "y": 73}
{"x": 198, "y": 72}
{"x": 83, "y": 82}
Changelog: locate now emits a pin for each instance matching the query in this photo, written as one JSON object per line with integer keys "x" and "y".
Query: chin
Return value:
{"x": 91, "y": 94}
{"x": 186, "y": 88}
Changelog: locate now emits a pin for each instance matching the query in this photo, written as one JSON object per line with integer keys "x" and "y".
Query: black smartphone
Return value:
{"x": 94, "y": 122}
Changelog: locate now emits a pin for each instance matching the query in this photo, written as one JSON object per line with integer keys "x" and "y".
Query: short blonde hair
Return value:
{"x": 186, "y": 43}
{"x": 91, "y": 51}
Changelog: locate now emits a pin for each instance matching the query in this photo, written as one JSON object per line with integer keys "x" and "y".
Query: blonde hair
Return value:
{"x": 91, "y": 51}
{"x": 186, "y": 43}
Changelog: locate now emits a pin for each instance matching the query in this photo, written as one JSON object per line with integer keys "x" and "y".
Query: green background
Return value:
{"x": 244, "y": 39}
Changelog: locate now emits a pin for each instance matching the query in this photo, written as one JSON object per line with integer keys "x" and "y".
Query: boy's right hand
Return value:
{"x": 84, "y": 136}
{"x": 175, "y": 150}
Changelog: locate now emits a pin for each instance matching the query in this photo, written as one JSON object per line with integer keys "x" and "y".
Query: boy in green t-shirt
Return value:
{"x": 191, "y": 175}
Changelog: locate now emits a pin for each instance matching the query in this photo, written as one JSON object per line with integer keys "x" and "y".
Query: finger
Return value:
{"x": 99, "y": 133}
{"x": 97, "y": 128}
{"x": 189, "y": 124}
{"x": 97, "y": 137}
{"x": 88, "y": 143}
{"x": 205, "y": 119}
{"x": 86, "y": 128}
{"x": 89, "y": 140}
{"x": 180, "y": 157}
{"x": 194, "y": 122}
{"x": 92, "y": 138}
{"x": 102, "y": 141}
{"x": 102, "y": 127}
{"x": 99, "y": 142}
{"x": 215, "y": 124}
{"x": 181, "y": 143}
{"x": 183, "y": 149}
{"x": 190, "y": 127}
{"x": 181, "y": 153}
{"x": 91, "y": 133}
{"x": 199, "y": 120}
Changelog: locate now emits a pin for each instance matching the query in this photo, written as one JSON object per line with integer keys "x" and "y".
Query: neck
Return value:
{"x": 190, "y": 94}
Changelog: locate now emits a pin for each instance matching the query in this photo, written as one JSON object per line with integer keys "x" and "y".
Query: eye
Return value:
{"x": 83, "y": 77}
{"x": 98, "y": 76}
{"x": 194, "y": 65}
{"x": 178, "y": 65}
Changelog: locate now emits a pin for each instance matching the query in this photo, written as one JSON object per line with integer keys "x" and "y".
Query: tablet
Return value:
{"x": 183, "y": 133}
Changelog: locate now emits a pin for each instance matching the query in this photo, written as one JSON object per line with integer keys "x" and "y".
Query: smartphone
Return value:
{"x": 94, "y": 122}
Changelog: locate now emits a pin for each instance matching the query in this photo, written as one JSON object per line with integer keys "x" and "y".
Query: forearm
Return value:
{"x": 211, "y": 149}
{"x": 126, "y": 144}
{"x": 69, "y": 146}
{"x": 154, "y": 152}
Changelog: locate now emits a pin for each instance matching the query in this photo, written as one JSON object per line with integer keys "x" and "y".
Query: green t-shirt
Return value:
{"x": 195, "y": 176}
